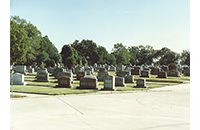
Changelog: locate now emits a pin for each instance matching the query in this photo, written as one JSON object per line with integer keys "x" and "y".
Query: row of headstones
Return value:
{"x": 86, "y": 82}
{"x": 91, "y": 82}
{"x": 22, "y": 69}
{"x": 153, "y": 70}
{"x": 43, "y": 75}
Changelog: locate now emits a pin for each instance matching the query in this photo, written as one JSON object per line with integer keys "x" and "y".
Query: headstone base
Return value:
{"x": 104, "y": 89}
{"x": 63, "y": 86}
{"x": 87, "y": 87}
{"x": 140, "y": 87}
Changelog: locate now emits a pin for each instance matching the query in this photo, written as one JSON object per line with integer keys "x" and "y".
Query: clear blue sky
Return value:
{"x": 158, "y": 23}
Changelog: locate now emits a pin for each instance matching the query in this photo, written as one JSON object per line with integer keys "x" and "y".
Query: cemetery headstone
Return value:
{"x": 66, "y": 74}
{"x": 43, "y": 76}
{"x": 119, "y": 81}
{"x": 122, "y": 73}
{"x": 162, "y": 74}
{"x": 17, "y": 79}
{"x": 120, "y": 68}
{"x": 129, "y": 79}
{"x": 154, "y": 71}
{"x": 174, "y": 73}
{"x": 64, "y": 82}
{"x": 30, "y": 70}
{"x": 56, "y": 71}
{"x": 21, "y": 69}
{"x": 135, "y": 72}
{"x": 88, "y": 82}
{"x": 102, "y": 75}
{"x": 50, "y": 70}
{"x": 88, "y": 72}
{"x": 109, "y": 83}
{"x": 78, "y": 68}
{"x": 80, "y": 74}
{"x": 145, "y": 73}
{"x": 112, "y": 68}
{"x": 141, "y": 83}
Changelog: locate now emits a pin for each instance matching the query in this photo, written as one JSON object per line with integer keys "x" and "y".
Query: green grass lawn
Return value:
{"x": 17, "y": 96}
{"x": 49, "y": 90}
{"x": 48, "y": 87}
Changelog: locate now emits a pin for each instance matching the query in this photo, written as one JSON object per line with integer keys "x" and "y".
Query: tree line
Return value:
{"x": 28, "y": 47}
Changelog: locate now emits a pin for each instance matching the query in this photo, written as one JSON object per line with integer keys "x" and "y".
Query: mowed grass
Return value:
{"x": 49, "y": 90}
{"x": 49, "y": 87}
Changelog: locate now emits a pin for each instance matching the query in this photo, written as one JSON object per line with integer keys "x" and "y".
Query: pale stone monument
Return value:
{"x": 109, "y": 83}
{"x": 43, "y": 76}
{"x": 21, "y": 69}
{"x": 17, "y": 79}
{"x": 80, "y": 74}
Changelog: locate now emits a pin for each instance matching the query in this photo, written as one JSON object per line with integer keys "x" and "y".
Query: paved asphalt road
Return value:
{"x": 155, "y": 110}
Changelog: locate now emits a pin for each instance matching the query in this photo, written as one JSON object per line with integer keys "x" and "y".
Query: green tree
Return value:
{"x": 42, "y": 57}
{"x": 185, "y": 57}
{"x": 34, "y": 37}
{"x": 166, "y": 56}
{"x": 110, "y": 59}
{"x": 87, "y": 49}
{"x": 133, "y": 51}
{"x": 102, "y": 55}
{"x": 18, "y": 43}
{"x": 121, "y": 54}
{"x": 70, "y": 62}
{"x": 84, "y": 61}
{"x": 69, "y": 51}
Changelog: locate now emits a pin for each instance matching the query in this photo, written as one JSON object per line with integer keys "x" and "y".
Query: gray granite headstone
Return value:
{"x": 109, "y": 83}
{"x": 119, "y": 81}
{"x": 17, "y": 79}
{"x": 141, "y": 83}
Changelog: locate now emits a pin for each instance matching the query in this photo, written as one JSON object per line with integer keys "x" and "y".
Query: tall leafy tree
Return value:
{"x": 18, "y": 43}
{"x": 166, "y": 56}
{"x": 34, "y": 38}
{"x": 121, "y": 54}
{"x": 87, "y": 49}
{"x": 69, "y": 51}
{"x": 110, "y": 59}
{"x": 102, "y": 55}
{"x": 185, "y": 57}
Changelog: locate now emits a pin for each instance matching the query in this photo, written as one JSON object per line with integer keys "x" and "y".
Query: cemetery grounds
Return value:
{"x": 48, "y": 88}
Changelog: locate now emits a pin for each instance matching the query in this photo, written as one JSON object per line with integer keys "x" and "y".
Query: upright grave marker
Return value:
{"x": 145, "y": 73}
{"x": 174, "y": 73}
{"x": 109, "y": 83}
{"x": 141, "y": 83}
{"x": 119, "y": 81}
{"x": 88, "y": 82}
{"x": 64, "y": 82}
{"x": 43, "y": 76}
{"x": 17, "y": 79}
{"x": 162, "y": 74}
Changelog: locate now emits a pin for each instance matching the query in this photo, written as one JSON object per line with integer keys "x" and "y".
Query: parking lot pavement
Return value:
{"x": 141, "y": 111}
